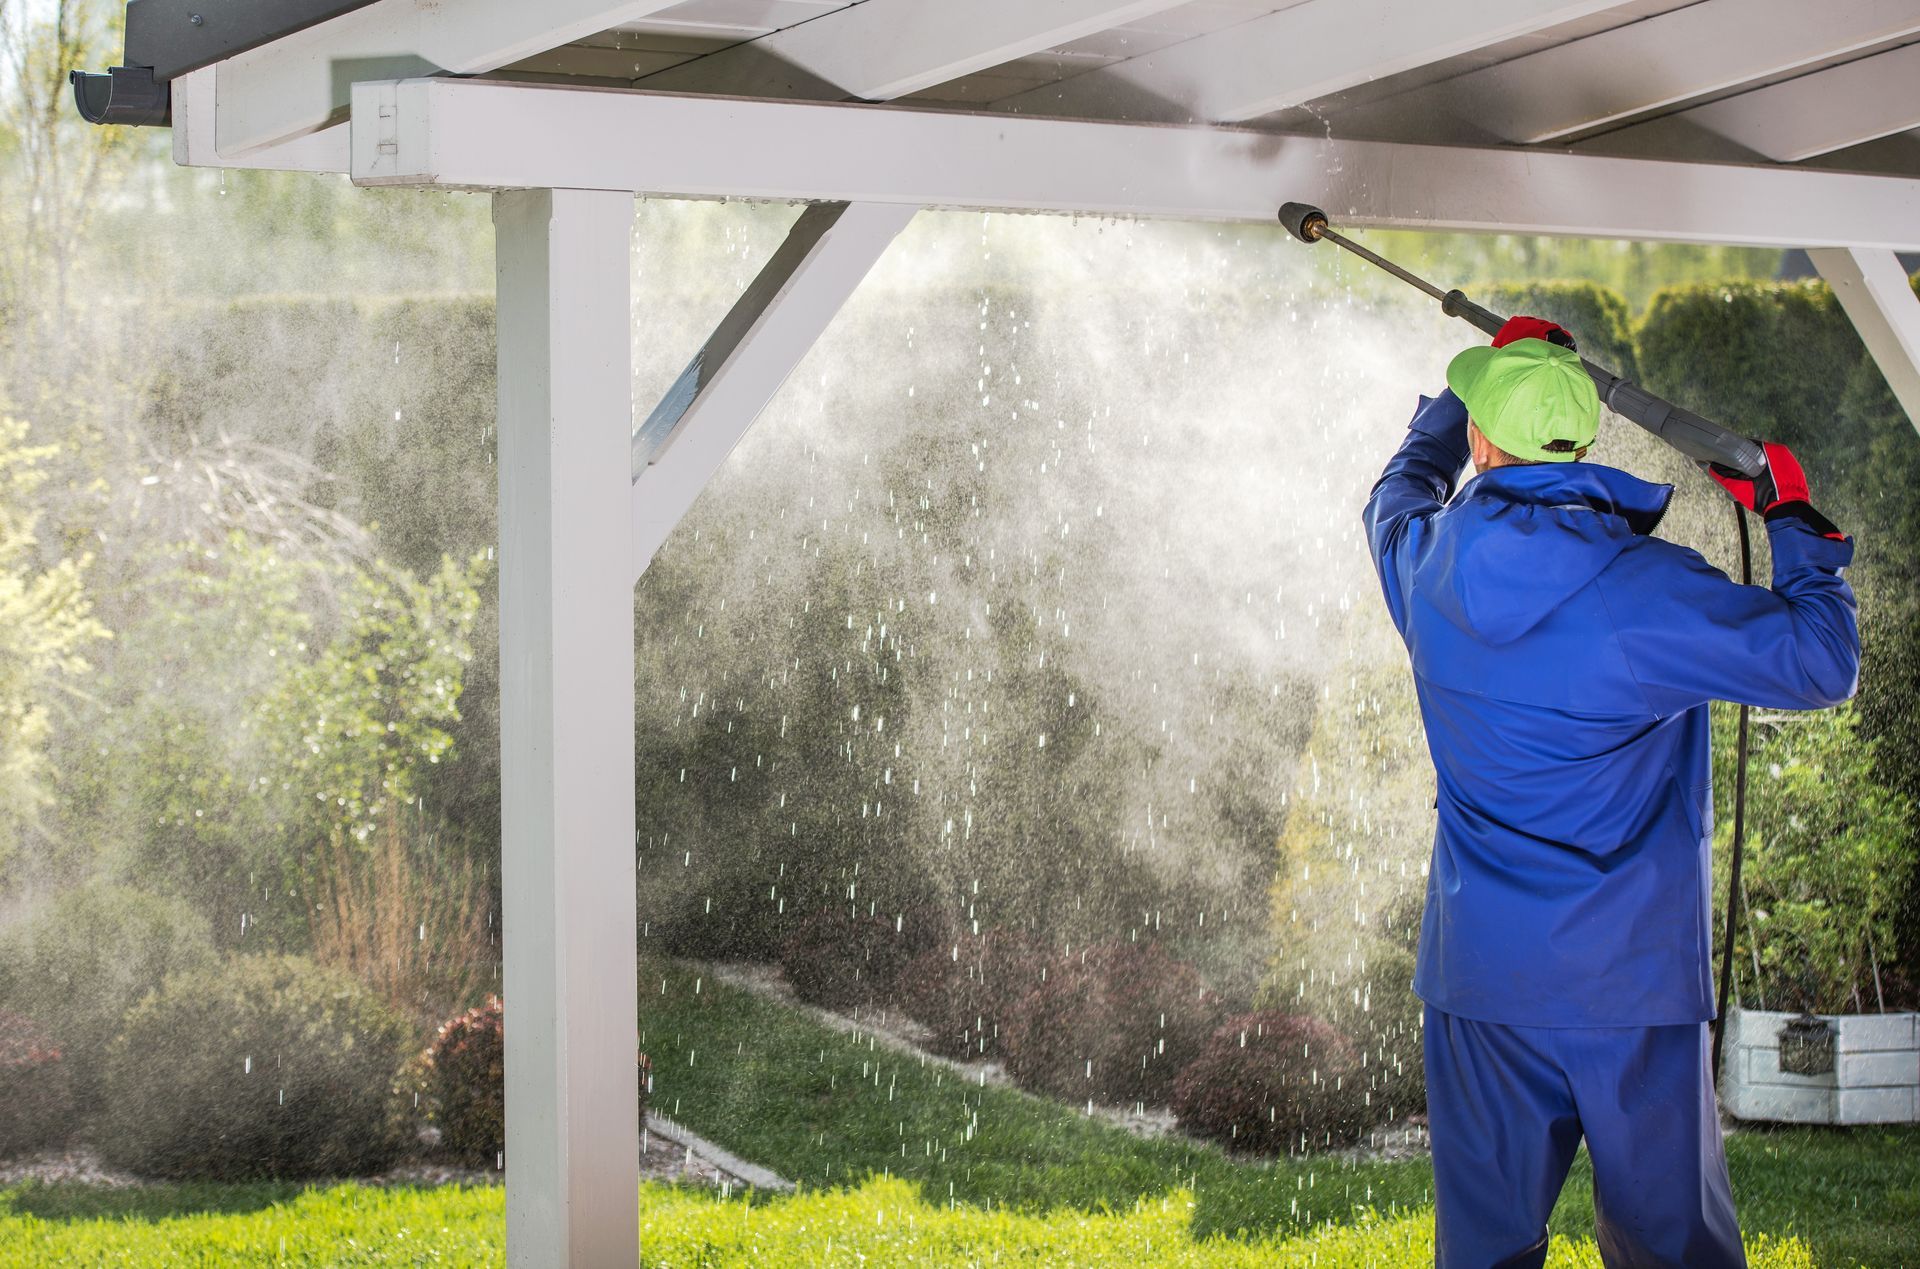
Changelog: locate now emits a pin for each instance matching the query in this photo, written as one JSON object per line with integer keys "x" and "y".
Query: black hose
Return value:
{"x": 1739, "y": 824}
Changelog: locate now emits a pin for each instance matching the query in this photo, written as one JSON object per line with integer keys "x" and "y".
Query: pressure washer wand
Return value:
{"x": 1699, "y": 439}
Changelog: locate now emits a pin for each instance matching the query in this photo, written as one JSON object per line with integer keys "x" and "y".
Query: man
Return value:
{"x": 1564, "y": 658}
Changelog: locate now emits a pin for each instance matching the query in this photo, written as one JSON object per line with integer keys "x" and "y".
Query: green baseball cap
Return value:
{"x": 1527, "y": 394}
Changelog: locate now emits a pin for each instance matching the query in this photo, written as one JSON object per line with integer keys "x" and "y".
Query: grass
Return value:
{"x": 986, "y": 1174}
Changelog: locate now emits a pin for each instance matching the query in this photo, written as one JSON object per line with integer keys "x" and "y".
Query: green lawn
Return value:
{"x": 899, "y": 1163}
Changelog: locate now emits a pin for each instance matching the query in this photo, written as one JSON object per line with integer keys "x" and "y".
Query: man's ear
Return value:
{"x": 1477, "y": 446}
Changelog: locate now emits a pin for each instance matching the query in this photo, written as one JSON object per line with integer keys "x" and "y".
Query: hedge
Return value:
{"x": 1598, "y": 317}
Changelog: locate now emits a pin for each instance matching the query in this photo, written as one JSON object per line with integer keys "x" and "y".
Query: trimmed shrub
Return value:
{"x": 1113, "y": 1022}
{"x": 36, "y": 1093}
{"x": 966, "y": 991}
{"x": 266, "y": 1066}
{"x": 1770, "y": 358}
{"x": 80, "y": 963}
{"x": 465, "y": 1075}
{"x": 841, "y": 959}
{"x": 1272, "y": 1083}
{"x": 1597, "y": 316}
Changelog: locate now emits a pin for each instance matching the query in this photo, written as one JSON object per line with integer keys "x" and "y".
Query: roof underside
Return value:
{"x": 1834, "y": 85}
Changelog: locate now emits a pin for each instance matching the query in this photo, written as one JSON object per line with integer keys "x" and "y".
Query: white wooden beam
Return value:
{"x": 1639, "y": 68}
{"x": 566, "y": 728}
{"x": 1815, "y": 114}
{"x": 475, "y": 134}
{"x": 889, "y": 48}
{"x": 300, "y": 83}
{"x": 1879, "y": 300}
{"x": 193, "y": 135}
{"x": 750, "y": 354}
{"x": 1295, "y": 55}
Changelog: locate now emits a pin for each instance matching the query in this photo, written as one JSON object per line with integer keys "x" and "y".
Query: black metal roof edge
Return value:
{"x": 168, "y": 38}
{"x": 177, "y": 36}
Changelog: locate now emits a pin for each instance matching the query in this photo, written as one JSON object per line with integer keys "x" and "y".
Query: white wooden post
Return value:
{"x": 566, "y": 727}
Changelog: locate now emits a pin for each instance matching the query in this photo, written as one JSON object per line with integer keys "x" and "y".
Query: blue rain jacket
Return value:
{"x": 1564, "y": 658}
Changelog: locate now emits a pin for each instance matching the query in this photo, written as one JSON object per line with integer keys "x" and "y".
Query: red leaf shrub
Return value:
{"x": 966, "y": 991}
{"x": 840, "y": 959}
{"x": 36, "y": 1092}
{"x": 1272, "y": 1082}
{"x": 466, "y": 1075}
{"x": 1113, "y": 1022}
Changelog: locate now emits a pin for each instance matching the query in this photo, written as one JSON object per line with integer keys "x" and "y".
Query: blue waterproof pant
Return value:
{"x": 1508, "y": 1106}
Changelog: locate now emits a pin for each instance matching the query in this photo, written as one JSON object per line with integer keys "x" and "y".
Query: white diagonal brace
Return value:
{"x": 471, "y": 133}
{"x": 1879, "y": 299}
{"x": 749, "y": 355}
{"x": 889, "y": 48}
{"x": 1641, "y": 67}
{"x": 1815, "y": 114}
{"x": 1293, "y": 56}
{"x": 300, "y": 82}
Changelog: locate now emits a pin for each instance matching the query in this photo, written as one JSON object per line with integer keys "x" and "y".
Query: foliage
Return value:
{"x": 882, "y": 1221}
{"x": 410, "y": 915}
{"x": 1637, "y": 271}
{"x": 81, "y": 962}
{"x": 827, "y": 1108}
{"x": 354, "y": 726}
{"x": 260, "y": 702}
{"x": 46, "y": 625}
{"x": 466, "y": 1081}
{"x": 966, "y": 991}
{"x": 264, "y": 1066}
{"x": 35, "y": 1086}
{"x": 1111, "y": 1022}
{"x": 1768, "y": 359}
{"x": 1272, "y": 1083}
{"x": 55, "y": 166}
{"x": 467, "y": 1065}
{"x": 1597, "y": 316}
{"x": 1349, "y": 885}
{"x": 1827, "y": 864}
{"x": 841, "y": 958}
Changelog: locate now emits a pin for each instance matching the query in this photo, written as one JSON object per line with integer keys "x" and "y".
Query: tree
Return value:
{"x": 46, "y": 623}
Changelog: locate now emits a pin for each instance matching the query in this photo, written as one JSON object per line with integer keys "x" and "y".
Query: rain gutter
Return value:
{"x": 168, "y": 38}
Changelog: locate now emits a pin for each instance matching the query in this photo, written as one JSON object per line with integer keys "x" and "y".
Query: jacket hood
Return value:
{"x": 1517, "y": 542}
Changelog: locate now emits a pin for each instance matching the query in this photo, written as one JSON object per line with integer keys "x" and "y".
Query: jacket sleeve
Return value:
{"x": 1417, "y": 482}
{"x": 1691, "y": 634}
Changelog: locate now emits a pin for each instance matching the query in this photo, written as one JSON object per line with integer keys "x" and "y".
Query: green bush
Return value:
{"x": 35, "y": 1089}
{"x": 1596, "y": 315}
{"x": 265, "y": 1066}
{"x": 841, "y": 959}
{"x": 1766, "y": 359}
{"x": 466, "y": 1079}
{"x": 1113, "y": 1022}
{"x": 79, "y": 964}
{"x": 1273, "y": 1083}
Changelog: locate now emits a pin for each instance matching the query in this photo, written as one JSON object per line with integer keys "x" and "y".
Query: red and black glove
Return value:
{"x": 1779, "y": 490}
{"x": 1533, "y": 328}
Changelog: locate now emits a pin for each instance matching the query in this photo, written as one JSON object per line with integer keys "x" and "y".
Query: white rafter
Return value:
{"x": 1815, "y": 114}
{"x": 1879, "y": 300}
{"x": 1639, "y": 68}
{"x": 889, "y": 48}
{"x": 1292, "y": 56}
{"x": 494, "y": 135}
{"x": 299, "y": 83}
{"x": 749, "y": 355}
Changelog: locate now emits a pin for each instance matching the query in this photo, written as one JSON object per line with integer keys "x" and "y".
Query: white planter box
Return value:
{"x": 1875, "y": 1077}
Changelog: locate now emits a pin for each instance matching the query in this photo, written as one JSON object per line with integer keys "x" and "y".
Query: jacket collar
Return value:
{"x": 1640, "y": 503}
